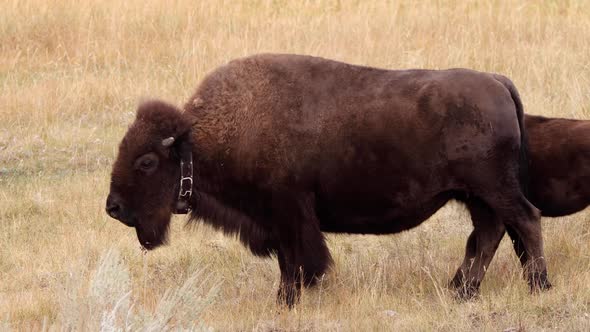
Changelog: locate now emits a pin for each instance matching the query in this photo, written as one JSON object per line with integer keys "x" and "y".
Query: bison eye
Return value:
{"x": 147, "y": 163}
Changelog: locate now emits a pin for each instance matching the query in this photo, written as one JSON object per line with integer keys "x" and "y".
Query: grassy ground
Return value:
{"x": 71, "y": 73}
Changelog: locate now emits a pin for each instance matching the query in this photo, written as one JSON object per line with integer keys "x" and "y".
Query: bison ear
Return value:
{"x": 167, "y": 142}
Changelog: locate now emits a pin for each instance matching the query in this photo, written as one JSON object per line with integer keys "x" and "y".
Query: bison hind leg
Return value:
{"x": 524, "y": 225}
{"x": 480, "y": 249}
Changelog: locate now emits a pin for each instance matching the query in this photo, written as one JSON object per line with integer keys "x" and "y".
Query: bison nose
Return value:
{"x": 114, "y": 207}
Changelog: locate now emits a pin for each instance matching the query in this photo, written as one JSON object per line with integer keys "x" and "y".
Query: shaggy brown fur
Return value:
{"x": 287, "y": 147}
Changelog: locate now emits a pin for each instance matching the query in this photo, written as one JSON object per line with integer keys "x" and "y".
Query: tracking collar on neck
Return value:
{"x": 185, "y": 188}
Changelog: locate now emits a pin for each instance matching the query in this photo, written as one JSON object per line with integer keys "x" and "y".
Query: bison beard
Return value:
{"x": 286, "y": 147}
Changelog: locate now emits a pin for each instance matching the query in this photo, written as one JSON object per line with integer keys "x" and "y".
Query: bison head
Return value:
{"x": 145, "y": 175}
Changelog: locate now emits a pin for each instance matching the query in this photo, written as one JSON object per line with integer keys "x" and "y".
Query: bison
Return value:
{"x": 559, "y": 168}
{"x": 278, "y": 149}
{"x": 559, "y": 151}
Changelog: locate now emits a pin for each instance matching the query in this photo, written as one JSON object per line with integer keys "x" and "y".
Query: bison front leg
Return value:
{"x": 294, "y": 275}
{"x": 303, "y": 255}
{"x": 290, "y": 286}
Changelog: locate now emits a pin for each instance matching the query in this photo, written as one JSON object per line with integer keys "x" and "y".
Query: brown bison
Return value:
{"x": 280, "y": 148}
{"x": 559, "y": 168}
{"x": 559, "y": 151}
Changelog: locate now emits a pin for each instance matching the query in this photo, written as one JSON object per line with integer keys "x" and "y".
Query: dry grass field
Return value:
{"x": 71, "y": 74}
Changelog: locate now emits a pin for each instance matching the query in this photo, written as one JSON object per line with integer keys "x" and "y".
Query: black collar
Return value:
{"x": 185, "y": 189}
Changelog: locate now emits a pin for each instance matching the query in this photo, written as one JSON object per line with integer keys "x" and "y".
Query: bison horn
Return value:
{"x": 166, "y": 142}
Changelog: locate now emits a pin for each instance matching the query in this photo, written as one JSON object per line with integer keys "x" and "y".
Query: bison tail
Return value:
{"x": 523, "y": 152}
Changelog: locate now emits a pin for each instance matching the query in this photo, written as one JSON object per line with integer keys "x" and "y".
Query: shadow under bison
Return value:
{"x": 280, "y": 148}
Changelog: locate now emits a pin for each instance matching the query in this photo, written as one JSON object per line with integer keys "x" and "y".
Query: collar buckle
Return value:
{"x": 185, "y": 189}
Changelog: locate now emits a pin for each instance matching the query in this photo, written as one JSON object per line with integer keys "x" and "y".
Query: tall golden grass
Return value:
{"x": 71, "y": 73}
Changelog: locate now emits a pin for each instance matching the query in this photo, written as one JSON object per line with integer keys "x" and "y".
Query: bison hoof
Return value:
{"x": 288, "y": 295}
{"x": 539, "y": 282}
{"x": 464, "y": 291}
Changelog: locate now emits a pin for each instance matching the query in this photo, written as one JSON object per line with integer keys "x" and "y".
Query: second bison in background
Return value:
{"x": 286, "y": 147}
{"x": 559, "y": 181}
{"x": 559, "y": 152}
